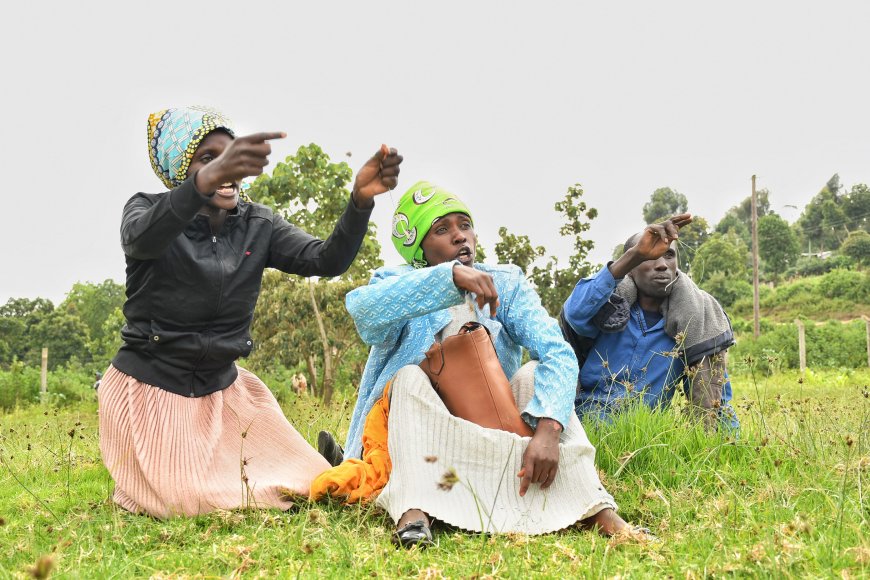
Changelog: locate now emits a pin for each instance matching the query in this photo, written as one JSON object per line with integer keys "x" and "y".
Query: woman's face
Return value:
{"x": 450, "y": 238}
{"x": 227, "y": 195}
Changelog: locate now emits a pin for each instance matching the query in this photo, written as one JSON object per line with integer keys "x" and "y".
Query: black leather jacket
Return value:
{"x": 191, "y": 295}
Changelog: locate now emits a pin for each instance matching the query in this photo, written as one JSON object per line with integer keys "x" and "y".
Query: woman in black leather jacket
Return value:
{"x": 183, "y": 430}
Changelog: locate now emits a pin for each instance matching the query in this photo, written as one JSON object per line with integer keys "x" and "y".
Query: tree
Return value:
{"x": 857, "y": 247}
{"x": 725, "y": 254}
{"x": 554, "y": 284}
{"x": 823, "y": 223}
{"x": 691, "y": 238}
{"x": 63, "y": 333}
{"x": 94, "y": 304}
{"x": 18, "y": 318}
{"x": 777, "y": 245}
{"x": 857, "y": 207}
{"x": 286, "y": 332}
{"x": 25, "y": 308}
{"x": 739, "y": 218}
{"x": 107, "y": 342}
{"x": 311, "y": 192}
{"x": 517, "y": 250}
{"x": 664, "y": 203}
{"x": 727, "y": 289}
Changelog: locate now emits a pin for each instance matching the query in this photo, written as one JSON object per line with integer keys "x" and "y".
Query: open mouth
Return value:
{"x": 465, "y": 256}
{"x": 227, "y": 190}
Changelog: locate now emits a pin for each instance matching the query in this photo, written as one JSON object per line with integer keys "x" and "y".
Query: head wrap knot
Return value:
{"x": 418, "y": 209}
{"x": 174, "y": 135}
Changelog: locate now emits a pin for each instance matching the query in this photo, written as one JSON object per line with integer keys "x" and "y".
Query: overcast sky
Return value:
{"x": 504, "y": 103}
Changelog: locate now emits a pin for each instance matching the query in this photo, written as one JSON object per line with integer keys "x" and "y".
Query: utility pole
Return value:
{"x": 756, "y": 329}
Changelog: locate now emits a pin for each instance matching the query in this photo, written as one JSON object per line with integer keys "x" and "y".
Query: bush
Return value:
{"x": 847, "y": 284}
{"x": 19, "y": 385}
{"x": 812, "y": 266}
{"x": 830, "y": 345}
{"x": 857, "y": 247}
{"x": 727, "y": 289}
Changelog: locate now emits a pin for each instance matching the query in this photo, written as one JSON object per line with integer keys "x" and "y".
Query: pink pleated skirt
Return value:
{"x": 173, "y": 455}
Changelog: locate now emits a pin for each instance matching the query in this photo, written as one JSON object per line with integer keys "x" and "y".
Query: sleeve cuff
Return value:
{"x": 185, "y": 200}
{"x": 605, "y": 275}
{"x": 356, "y": 219}
{"x": 533, "y": 421}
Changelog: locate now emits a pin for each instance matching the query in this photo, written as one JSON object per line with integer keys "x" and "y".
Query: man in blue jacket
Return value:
{"x": 640, "y": 326}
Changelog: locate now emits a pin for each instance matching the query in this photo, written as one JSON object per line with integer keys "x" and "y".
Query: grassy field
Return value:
{"x": 787, "y": 498}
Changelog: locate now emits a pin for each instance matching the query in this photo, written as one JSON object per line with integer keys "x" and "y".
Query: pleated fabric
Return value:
{"x": 465, "y": 475}
{"x": 171, "y": 455}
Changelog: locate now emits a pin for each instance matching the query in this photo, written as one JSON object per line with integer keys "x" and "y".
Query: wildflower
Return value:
{"x": 448, "y": 480}
{"x": 43, "y": 567}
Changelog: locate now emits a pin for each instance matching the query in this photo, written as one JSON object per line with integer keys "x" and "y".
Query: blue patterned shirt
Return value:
{"x": 402, "y": 309}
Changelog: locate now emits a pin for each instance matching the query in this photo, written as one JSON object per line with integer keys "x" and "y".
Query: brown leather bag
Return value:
{"x": 466, "y": 374}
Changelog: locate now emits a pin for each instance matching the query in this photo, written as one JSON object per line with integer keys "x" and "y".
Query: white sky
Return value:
{"x": 504, "y": 103}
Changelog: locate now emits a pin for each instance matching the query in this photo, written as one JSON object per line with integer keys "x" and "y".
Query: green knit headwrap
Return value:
{"x": 418, "y": 209}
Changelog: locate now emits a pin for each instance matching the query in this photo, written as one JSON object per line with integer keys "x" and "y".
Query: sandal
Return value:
{"x": 329, "y": 449}
{"x": 415, "y": 533}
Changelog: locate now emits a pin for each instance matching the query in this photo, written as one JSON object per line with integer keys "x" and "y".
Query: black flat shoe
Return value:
{"x": 413, "y": 534}
{"x": 330, "y": 450}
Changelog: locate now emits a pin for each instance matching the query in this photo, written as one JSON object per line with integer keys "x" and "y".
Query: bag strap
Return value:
{"x": 472, "y": 326}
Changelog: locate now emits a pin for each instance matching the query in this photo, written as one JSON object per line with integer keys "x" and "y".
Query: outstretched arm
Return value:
{"x": 294, "y": 251}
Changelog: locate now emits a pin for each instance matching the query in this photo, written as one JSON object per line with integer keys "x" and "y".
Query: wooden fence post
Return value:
{"x": 867, "y": 323}
{"x": 802, "y": 344}
{"x": 43, "y": 376}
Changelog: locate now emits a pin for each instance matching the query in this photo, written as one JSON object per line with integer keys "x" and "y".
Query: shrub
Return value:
{"x": 727, "y": 289}
{"x": 19, "y": 385}
{"x": 830, "y": 345}
{"x": 812, "y": 266}
{"x": 848, "y": 284}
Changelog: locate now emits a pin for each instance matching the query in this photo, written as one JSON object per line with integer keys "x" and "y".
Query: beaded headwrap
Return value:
{"x": 174, "y": 135}
{"x": 420, "y": 207}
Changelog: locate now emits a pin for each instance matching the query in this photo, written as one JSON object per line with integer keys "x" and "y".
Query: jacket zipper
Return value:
{"x": 221, "y": 273}
{"x": 219, "y": 300}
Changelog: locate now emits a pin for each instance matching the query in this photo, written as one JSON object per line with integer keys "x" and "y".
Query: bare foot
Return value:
{"x": 606, "y": 522}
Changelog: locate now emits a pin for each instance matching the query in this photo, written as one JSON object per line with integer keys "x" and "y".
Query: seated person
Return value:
{"x": 183, "y": 429}
{"x": 640, "y": 325}
{"x": 497, "y": 480}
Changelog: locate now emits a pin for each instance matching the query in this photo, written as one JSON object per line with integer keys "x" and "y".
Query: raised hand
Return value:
{"x": 652, "y": 244}
{"x": 656, "y": 238}
{"x": 379, "y": 174}
{"x": 479, "y": 283}
{"x": 244, "y": 157}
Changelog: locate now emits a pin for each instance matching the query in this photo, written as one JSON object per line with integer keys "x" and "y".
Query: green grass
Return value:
{"x": 789, "y": 497}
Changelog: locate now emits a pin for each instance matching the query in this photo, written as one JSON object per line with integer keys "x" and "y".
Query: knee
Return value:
{"x": 526, "y": 372}
{"x": 407, "y": 377}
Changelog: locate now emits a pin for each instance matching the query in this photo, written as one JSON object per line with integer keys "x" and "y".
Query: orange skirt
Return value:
{"x": 173, "y": 455}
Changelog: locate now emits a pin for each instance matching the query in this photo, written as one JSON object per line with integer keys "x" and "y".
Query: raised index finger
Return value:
{"x": 681, "y": 220}
{"x": 264, "y": 136}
